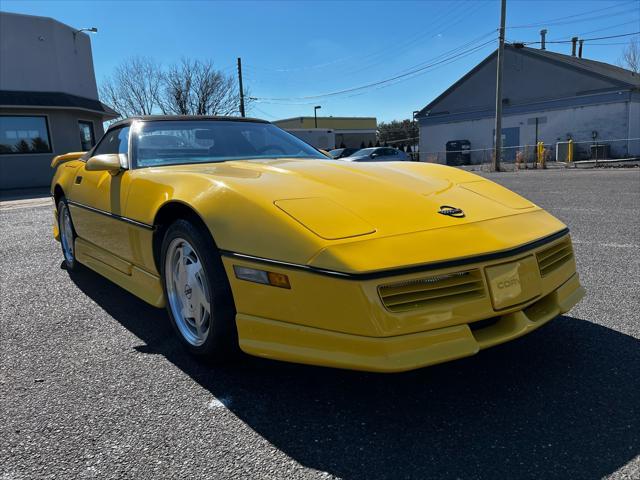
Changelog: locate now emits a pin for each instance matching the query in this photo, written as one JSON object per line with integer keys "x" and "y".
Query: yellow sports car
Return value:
{"x": 252, "y": 238}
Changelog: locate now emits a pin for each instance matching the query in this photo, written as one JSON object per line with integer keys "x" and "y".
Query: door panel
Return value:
{"x": 97, "y": 199}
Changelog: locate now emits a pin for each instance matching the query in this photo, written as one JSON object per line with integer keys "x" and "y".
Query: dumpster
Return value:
{"x": 458, "y": 152}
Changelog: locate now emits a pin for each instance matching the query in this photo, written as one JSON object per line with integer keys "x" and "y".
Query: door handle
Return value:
{"x": 78, "y": 180}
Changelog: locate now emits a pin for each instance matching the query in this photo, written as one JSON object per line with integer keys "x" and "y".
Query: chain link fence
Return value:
{"x": 535, "y": 156}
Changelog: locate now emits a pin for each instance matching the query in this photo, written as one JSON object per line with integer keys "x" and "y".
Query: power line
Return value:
{"x": 560, "y": 20}
{"x": 451, "y": 18}
{"x": 586, "y": 19}
{"x": 609, "y": 43}
{"x": 369, "y": 55}
{"x": 585, "y": 39}
{"x": 410, "y": 69}
{"x": 635, "y": 22}
{"x": 268, "y": 102}
{"x": 380, "y": 82}
{"x": 454, "y": 50}
{"x": 453, "y": 15}
{"x": 419, "y": 68}
{"x": 262, "y": 111}
{"x": 446, "y": 62}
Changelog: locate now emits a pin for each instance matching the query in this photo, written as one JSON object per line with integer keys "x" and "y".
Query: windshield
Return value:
{"x": 167, "y": 142}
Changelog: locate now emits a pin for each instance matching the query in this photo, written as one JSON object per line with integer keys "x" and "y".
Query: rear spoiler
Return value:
{"x": 65, "y": 158}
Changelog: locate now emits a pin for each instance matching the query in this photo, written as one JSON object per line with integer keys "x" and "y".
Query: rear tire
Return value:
{"x": 199, "y": 299}
{"x": 67, "y": 236}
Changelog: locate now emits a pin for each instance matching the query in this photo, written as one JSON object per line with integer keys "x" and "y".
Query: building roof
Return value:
{"x": 619, "y": 75}
{"x": 40, "y": 17}
{"x": 334, "y": 123}
{"x": 323, "y": 118}
{"x": 612, "y": 72}
{"x": 25, "y": 99}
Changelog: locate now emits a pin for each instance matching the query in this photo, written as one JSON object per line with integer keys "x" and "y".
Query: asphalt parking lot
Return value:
{"x": 94, "y": 385}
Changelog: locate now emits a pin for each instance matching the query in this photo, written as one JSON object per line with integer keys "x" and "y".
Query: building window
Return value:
{"x": 20, "y": 134}
{"x": 87, "y": 139}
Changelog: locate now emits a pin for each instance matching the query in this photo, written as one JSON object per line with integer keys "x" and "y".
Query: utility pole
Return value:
{"x": 500, "y": 61}
{"x": 241, "y": 88}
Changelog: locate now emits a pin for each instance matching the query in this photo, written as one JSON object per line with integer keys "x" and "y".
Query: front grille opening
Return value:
{"x": 480, "y": 324}
{"x": 552, "y": 258}
{"x": 430, "y": 291}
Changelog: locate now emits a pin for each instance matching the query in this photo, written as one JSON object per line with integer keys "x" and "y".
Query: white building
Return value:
{"x": 547, "y": 96}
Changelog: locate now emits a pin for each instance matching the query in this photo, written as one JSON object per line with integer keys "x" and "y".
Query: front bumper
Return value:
{"x": 300, "y": 344}
{"x": 349, "y": 324}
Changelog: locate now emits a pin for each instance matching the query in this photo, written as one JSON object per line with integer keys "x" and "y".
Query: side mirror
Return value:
{"x": 108, "y": 162}
{"x": 373, "y": 155}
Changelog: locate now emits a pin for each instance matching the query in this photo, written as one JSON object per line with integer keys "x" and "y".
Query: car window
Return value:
{"x": 114, "y": 141}
{"x": 169, "y": 142}
{"x": 365, "y": 151}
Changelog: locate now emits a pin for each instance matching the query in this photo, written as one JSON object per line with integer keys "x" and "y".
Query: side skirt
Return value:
{"x": 140, "y": 283}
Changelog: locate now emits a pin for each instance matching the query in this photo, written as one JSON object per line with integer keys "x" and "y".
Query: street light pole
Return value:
{"x": 500, "y": 62}
{"x": 315, "y": 114}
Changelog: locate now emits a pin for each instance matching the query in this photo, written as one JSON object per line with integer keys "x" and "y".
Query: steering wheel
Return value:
{"x": 266, "y": 148}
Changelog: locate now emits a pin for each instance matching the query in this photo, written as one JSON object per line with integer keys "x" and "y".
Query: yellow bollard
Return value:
{"x": 570, "y": 151}
{"x": 540, "y": 154}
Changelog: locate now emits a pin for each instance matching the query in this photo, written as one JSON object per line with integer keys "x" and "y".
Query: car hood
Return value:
{"x": 335, "y": 199}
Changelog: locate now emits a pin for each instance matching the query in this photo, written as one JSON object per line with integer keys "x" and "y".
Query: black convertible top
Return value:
{"x": 148, "y": 118}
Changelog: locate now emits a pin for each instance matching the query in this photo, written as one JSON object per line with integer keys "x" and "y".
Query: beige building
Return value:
{"x": 349, "y": 131}
{"x": 48, "y": 97}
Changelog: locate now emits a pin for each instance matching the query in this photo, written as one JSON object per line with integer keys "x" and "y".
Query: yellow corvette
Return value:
{"x": 252, "y": 238}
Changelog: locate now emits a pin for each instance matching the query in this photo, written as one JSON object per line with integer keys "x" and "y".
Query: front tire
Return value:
{"x": 67, "y": 236}
{"x": 199, "y": 299}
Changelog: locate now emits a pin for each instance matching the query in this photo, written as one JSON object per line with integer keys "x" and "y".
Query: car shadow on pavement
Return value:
{"x": 563, "y": 402}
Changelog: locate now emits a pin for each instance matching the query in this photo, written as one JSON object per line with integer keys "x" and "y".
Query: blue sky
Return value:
{"x": 294, "y": 50}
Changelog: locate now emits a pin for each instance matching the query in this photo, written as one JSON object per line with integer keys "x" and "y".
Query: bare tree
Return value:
{"x": 134, "y": 88}
{"x": 194, "y": 87}
{"x": 630, "y": 58}
{"x": 139, "y": 86}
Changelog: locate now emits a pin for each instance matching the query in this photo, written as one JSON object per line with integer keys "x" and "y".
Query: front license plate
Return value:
{"x": 514, "y": 282}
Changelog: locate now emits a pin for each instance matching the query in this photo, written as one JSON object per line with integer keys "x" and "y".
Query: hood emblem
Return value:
{"x": 451, "y": 211}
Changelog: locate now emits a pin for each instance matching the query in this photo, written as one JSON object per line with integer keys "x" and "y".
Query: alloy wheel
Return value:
{"x": 66, "y": 234}
{"x": 188, "y": 291}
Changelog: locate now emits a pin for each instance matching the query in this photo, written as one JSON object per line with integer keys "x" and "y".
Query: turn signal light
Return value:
{"x": 278, "y": 280}
{"x": 262, "y": 276}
